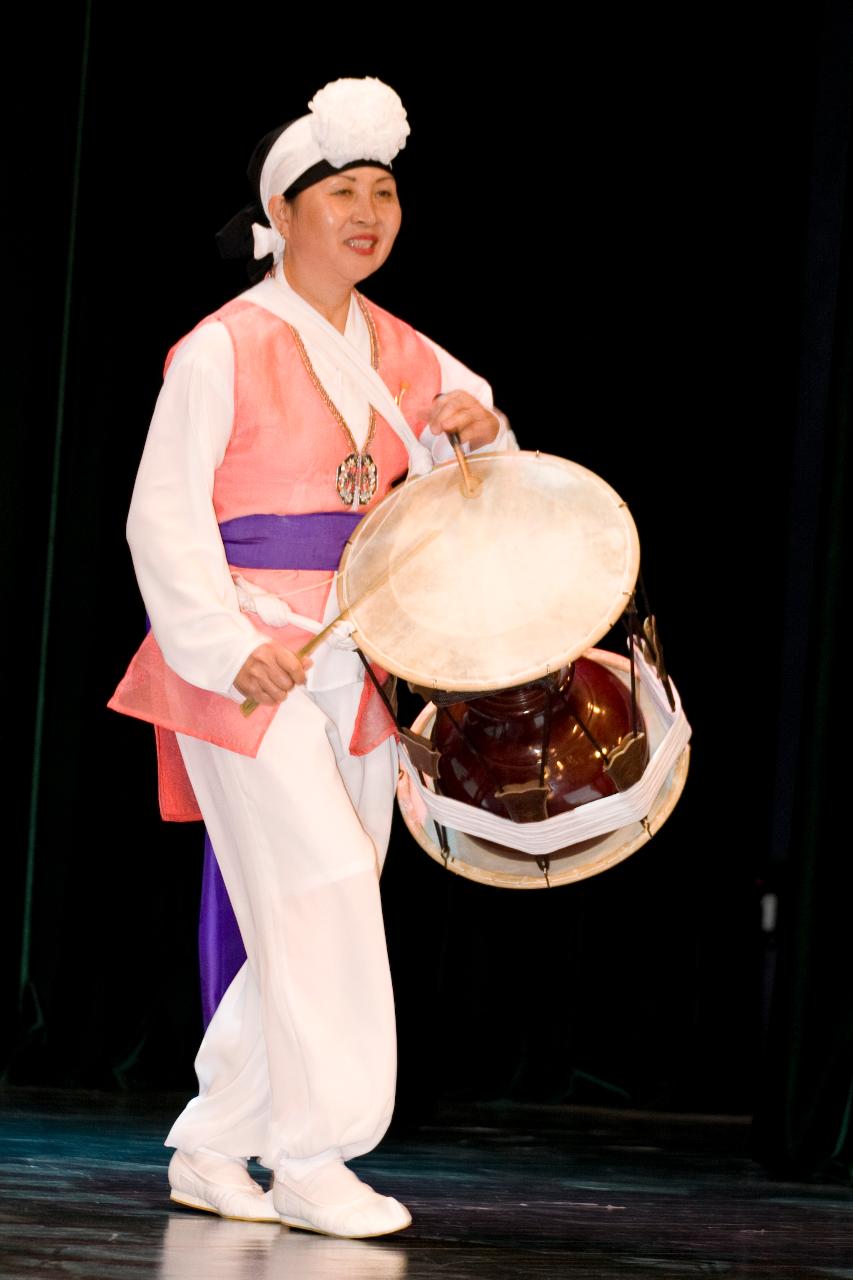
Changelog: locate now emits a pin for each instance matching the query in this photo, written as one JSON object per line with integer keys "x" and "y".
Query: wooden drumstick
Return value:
{"x": 471, "y": 486}
{"x": 248, "y": 705}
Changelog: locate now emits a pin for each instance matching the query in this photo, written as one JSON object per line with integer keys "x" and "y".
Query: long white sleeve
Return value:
{"x": 172, "y": 530}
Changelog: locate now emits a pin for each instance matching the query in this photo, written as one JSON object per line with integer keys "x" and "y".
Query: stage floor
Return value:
{"x": 496, "y": 1192}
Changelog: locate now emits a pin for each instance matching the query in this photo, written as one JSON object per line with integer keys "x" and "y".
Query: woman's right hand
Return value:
{"x": 269, "y": 673}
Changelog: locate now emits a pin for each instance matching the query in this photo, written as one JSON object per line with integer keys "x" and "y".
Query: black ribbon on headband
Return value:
{"x": 235, "y": 239}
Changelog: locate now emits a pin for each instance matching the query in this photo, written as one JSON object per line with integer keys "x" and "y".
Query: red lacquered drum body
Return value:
{"x": 497, "y": 740}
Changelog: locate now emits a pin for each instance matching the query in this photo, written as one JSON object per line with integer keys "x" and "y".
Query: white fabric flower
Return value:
{"x": 358, "y": 120}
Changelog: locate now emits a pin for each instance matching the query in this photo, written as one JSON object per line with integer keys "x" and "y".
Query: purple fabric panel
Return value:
{"x": 220, "y": 947}
{"x": 313, "y": 541}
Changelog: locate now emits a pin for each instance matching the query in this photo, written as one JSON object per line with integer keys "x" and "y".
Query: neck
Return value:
{"x": 331, "y": 300}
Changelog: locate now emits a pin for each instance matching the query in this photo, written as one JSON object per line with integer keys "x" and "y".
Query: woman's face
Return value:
{"x": 341, "y": 229}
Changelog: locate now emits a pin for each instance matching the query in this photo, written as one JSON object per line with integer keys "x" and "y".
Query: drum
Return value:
{"x": 537, "y": 760}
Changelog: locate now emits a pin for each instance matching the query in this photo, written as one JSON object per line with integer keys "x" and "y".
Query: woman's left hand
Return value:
{"x": 461, "y": 412}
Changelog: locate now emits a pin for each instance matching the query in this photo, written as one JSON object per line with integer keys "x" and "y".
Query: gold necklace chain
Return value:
{"x": 357, "y": 476}
{"x": 324, "y": 395}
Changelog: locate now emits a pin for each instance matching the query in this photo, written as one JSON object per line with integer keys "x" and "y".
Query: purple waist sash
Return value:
{"x": 314, "y": 541}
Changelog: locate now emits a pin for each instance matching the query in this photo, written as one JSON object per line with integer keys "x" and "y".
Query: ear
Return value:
{"x": 279, "y": 213}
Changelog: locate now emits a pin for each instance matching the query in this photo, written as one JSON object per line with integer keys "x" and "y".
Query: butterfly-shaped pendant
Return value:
{"x": 357, "y": 478}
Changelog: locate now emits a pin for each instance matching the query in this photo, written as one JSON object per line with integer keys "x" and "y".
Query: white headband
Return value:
{"x": 349, "y": 120}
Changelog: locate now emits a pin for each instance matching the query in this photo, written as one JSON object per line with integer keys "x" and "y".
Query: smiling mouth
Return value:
{"x": 362, "y": 244}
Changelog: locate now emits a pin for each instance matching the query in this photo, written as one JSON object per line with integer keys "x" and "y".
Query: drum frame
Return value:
{"x": 562, "y": 867}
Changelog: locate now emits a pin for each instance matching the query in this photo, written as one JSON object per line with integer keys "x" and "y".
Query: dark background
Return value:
{"x": 634, "y": 227}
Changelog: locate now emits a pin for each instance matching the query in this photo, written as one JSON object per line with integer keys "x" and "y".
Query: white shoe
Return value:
{"x": 218, "y": 1184}
{"x": 334, "y": 1202}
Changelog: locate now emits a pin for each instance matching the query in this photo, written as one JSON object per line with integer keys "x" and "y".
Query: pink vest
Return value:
{"x": 275, "y": 466}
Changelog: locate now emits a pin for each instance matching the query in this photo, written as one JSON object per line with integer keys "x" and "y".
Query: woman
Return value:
{"x": 283, "y": 418}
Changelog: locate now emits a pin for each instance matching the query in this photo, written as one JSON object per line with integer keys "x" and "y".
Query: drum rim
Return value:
{"x": 469, "y": 685}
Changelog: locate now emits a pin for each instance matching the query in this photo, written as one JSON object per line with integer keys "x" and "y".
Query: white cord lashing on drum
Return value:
{"x": 587, "y": 821}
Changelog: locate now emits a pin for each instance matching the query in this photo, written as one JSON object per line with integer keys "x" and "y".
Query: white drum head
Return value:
{"x": 516, "y": 582}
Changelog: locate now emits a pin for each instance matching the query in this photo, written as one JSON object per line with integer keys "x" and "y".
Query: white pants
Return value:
{"x": 300, "y": 1057}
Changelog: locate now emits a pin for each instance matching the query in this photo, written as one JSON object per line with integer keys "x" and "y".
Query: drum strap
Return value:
{"x": 650, "y": 642}
{"x": 546, "y": 737}
{"x": 632, "y": 626}
{"x": 584, "y": 728}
